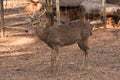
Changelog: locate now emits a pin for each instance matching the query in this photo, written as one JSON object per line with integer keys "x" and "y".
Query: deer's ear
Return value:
{"x": 44, "y": 26}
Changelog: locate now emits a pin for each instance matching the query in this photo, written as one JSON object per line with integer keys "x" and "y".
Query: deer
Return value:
{"x": 34, "y": 7}
{"x": 61, "y": 35}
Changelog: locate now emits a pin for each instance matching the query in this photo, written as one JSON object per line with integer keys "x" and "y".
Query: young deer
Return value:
{"x": 32, "y": 8}
{"x": 57, "y": 36}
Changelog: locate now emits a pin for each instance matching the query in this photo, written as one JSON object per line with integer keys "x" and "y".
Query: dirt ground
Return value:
{"x": 24, "y": 57}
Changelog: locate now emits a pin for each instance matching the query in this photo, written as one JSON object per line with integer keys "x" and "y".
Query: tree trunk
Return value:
{"x": 2, "y": 19}
{"x": 104, "y": 12}
{"x": 58, "y": 11}
{"x": 49, "y": 12}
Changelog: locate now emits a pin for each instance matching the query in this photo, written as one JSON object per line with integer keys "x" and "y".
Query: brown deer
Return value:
{"x": 57, "y": 36}
{"x": 34, "y": 7}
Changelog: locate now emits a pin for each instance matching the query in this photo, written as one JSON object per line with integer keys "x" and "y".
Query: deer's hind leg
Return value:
{"x": 83, "y": 45}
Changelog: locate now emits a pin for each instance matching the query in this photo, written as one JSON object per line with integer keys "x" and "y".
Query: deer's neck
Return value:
{"x": 41, "y": 32}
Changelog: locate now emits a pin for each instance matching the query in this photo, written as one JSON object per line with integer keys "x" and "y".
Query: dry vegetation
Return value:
{"x": 24, "y": 57}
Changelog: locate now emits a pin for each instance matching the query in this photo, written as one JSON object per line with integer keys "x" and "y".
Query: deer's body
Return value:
{"x": 63, "y": 35}
{"x": 33, "y": 7}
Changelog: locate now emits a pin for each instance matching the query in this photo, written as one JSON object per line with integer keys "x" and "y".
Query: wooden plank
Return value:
{"x": 63, "y": 3}
{"x": 97, "y": 7}
{"x": 116, "y": 2}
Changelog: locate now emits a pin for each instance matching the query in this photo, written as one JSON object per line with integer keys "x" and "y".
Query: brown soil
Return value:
{"x": 24, "y": 57}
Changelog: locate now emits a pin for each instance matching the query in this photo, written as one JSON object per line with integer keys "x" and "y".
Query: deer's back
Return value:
{"x": 68, "y": 33}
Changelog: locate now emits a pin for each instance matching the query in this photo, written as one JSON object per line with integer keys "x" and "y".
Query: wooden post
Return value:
{"x": 58, "y": 11}
{"x": 104, "y": 12}
{"x": 49, "y": 12}
{"x": 2, "y": 19}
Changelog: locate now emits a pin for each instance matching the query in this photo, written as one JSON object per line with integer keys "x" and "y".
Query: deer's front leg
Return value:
{"x": 54, "y": 55}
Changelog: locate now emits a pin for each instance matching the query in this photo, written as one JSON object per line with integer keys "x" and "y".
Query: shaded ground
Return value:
{"x": 24, "y": 57}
